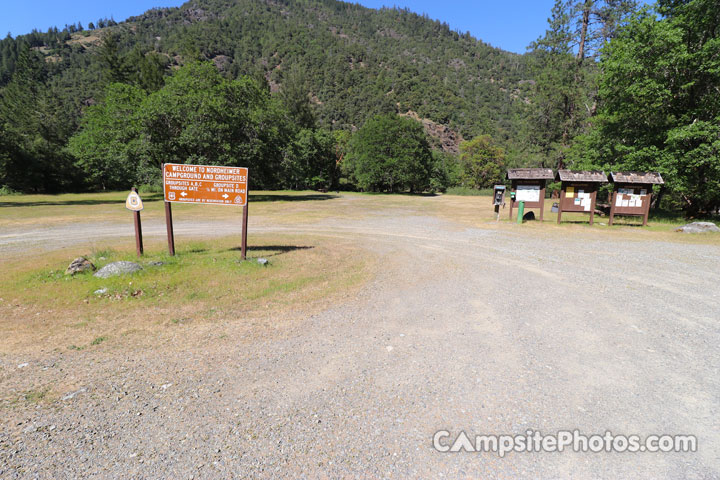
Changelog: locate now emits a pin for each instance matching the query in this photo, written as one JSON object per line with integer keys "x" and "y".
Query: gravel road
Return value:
{"x": 487, "y": 331}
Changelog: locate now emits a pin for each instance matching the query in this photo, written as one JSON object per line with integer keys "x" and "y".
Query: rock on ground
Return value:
{"x": 79, "y": 265}
{"x": 699, "y": 227}
{"x": 118, "y": 268}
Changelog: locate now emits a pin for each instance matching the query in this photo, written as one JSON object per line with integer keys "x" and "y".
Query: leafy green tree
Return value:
{"x": 482, "y": 162}
{"x": 107, "y": 147}
{"x": 446, "y": 171}
{"x": 660, "y": 107}
{"x": 341, "y": 139}
{"x": 390, "y": 153}
{"x": 201, "y": 117}
{"x": 310, "y": 160}
{"x": 197, "y": 117}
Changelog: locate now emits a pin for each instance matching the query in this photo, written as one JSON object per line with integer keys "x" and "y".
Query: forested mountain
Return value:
{"x": 286, "y": 87}
{"x": 354, "y": 61}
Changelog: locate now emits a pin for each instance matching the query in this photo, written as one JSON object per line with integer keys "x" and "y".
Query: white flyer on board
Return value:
{"x": 528, "y": 193}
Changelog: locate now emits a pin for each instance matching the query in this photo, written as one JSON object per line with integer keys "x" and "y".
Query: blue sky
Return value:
{"x": 508, "y": 24}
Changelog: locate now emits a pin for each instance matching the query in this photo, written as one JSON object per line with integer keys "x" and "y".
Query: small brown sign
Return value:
{"x": 206, "y": 184}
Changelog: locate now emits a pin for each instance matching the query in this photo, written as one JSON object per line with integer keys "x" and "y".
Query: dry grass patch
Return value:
{"x": 286, "y": 206}
{"x": 478, "y": 211}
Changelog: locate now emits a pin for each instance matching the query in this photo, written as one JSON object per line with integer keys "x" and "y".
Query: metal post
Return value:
{"x": 169, "y": 224}
{"x": 512, "y": 199}
{"x": 521, "y": 211}
{"x": 138, "y": 230}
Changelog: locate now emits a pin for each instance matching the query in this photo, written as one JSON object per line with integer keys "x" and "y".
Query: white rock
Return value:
{"x": 71, "y": 395}
{"x": 118, "y": 268}
{"x": 699, "y": 227}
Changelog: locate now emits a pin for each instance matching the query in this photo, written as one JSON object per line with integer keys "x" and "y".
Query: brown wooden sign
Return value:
{"x": 206, "y": 184}
{"x": 528, "y": 186}
{"x": 632, "y": 194}
{"x": 578, "y": 191}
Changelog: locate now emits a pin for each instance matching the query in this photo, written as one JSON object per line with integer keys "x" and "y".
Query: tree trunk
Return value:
{"x": 584, "y": 30}
{"x": 658, "y": 198}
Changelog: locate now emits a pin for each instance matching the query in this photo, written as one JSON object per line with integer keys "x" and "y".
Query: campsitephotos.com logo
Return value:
{"x": 534, "y": 441}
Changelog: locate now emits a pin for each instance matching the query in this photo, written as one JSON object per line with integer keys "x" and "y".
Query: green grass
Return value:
{"x": 195, "y": 273}
{"x": 35, "y": 396}
{"x": 283, "y": 286}
{"x": 99, "y": 340}
{"x": 206, "y": 281}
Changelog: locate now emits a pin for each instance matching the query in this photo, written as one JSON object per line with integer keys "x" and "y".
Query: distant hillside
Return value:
{"x": 353, "y": 61}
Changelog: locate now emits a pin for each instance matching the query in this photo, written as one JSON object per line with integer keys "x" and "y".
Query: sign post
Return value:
{"x": 578, "y": 191}
{"x": 632, "y": 193}
{"x": 206, "y": 184}
{"x": 169, "y": 225}
{"x": 134, "y": 204}
{"x": 528, "y": 186}
{"x": 243, "y": 245}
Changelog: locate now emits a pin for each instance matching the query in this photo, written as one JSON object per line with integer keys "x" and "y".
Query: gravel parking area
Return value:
{"x": 482, "y": 330}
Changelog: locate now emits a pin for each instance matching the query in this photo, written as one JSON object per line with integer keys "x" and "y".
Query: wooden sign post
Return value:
{"x": 632, "y": 193}
{"x": 528, "y": 186}
{"x": 206, "y": 184}
{"x": 578, "y": 191}
{"x": 134, "y": 204}
{"x": 169, "y": 227}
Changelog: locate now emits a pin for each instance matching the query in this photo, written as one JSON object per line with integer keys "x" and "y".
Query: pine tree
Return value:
{"x": 566, "y": 83}
{"x": 114, "y": 70}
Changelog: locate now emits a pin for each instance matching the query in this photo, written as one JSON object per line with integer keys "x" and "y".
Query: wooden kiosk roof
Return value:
{"x": 637, "y": 177}
{"x": 530, "y": 174}
{"x": 582, "y": 176}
